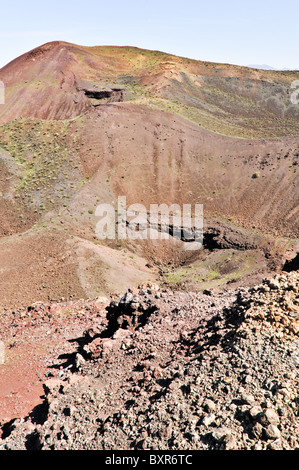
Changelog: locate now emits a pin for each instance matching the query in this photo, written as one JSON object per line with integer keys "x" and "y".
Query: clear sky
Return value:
{"x": 239, "y": 32}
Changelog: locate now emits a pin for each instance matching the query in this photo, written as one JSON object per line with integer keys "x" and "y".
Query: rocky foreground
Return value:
{"x": 166, "y": 370}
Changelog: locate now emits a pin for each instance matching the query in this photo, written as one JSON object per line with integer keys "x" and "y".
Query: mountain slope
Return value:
{"x": 82, "y": 126}
{"x": 49, "y": 82}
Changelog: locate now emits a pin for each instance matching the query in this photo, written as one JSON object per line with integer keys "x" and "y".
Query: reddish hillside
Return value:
{"x": 50, "y": 82}
{"x": 84, "y": 125}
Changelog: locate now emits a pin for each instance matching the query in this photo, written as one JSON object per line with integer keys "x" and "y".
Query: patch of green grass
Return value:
{"x": 218, "y": 269}
{"x": 39, "y": 147}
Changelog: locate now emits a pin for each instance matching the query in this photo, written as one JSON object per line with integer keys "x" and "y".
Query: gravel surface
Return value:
{"x": 176, "y": 370}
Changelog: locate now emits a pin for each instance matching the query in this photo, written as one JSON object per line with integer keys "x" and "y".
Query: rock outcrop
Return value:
{"x": 177, "y": 371}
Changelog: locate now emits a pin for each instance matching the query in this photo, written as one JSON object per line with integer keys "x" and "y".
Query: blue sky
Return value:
{"x": 234, "y": 31}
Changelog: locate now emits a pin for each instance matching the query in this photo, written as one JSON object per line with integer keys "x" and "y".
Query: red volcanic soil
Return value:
{"x": 34, "y": 338}
{"x": 82, "y": 126}
{"x": 57, "y": 80}
{"x": 151, "y": 156}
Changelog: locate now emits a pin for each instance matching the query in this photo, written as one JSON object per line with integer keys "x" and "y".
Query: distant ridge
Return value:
{"x": 267, "y": 67}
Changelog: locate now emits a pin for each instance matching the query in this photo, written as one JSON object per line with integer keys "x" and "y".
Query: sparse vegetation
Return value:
{"x": 158, "y": 142}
